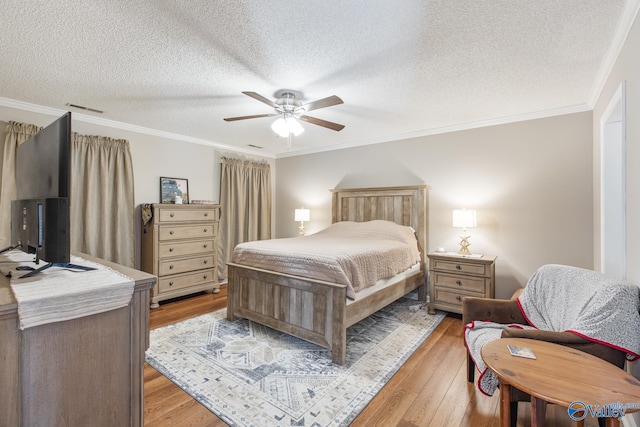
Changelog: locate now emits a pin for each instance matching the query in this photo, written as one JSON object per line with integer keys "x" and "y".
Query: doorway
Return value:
{"x": 613, "y": 225}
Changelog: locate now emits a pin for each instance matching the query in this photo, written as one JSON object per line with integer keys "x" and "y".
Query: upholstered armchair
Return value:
{"x": 507, "y": 312}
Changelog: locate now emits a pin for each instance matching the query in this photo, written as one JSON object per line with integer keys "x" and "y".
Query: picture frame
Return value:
{"x": 172, "y": 187}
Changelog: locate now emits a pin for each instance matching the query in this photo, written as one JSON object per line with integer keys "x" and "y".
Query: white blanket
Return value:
{"x": 356, "y": 254}
{"x": 586, "y": 303}
{"x": 478, "y": 333}
{"x": 570, "y": 299}
{"x": 58, "y": 294}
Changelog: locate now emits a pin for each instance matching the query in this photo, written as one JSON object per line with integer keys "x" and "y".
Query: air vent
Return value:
{"x": 93, "y": 110}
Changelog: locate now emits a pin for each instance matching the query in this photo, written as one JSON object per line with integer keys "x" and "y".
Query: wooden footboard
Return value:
{"x": 312, "y": 310}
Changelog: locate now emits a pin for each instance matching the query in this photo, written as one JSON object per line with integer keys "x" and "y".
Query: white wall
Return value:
{"x": 530, "y": 182}
{"x": 626, "y": 69}
{"x": 152, "y": 158}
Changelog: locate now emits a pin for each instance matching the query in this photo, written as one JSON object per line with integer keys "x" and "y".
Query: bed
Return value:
{"x": 319, "y": 311}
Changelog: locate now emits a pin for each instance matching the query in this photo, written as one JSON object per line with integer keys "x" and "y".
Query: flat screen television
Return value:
{"x": 40, "y": 215}
{"x": 43, "y": 162}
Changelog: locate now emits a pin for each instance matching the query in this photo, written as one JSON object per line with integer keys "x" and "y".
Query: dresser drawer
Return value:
{"x": 173, "y": 249}
{"x": 175, "y": 266}
{"x": 460, "y": 283}
{"x": 450, "y": 296}
{"x": 185, "y": 280}
{"x": 176, "y": 232}
{"x": 460, "y": 267}
{"x": 169, "y": 214}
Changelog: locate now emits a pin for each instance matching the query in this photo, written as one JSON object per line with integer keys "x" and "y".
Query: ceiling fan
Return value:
{"x": 289, "y": 107}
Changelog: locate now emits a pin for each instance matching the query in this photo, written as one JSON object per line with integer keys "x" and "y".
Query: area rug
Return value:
{"x": 251, "y": 375}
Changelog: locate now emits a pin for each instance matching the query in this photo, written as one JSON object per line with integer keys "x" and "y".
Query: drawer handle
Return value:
{"x": 205, "y": 245}
{"x": 204, "y": 276}
{"x": 205, "y": 230}
{"x": 171, "y": 214}
{"x": 170, "y": 231}
{"x": 459, "y": 298}
{"x": 205, "y": 261}
{"x": 458, "y": 267}
{"x": 171, "y": 267}
{"x": 171, "y": 283}
{"x": 171, "y": 249}
{"x": 458, "y": 282}
{"x": 206, "y": 214}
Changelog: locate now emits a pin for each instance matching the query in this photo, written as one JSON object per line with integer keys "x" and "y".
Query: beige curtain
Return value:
{"x": 102, "y": 198}
{"x": 17, "y": 133}
{"x": 245, "y": 197}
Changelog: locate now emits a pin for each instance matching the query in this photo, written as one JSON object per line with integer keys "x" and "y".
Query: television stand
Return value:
{"x": 50, "y": 374}
{"x": 35, "y": 271}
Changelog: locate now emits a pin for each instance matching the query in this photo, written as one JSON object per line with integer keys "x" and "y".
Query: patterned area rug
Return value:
{"x": 251, "y": 375}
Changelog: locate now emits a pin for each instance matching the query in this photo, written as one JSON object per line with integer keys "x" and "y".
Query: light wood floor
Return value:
{"x": 431, "y": 388}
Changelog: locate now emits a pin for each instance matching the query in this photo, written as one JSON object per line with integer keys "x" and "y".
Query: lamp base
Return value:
{"x": 301, "y": 229}
{"x": 464, "y": 245}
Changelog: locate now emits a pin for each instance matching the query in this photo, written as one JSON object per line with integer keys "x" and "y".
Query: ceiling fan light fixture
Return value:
{"x": 289, "y": 109}
{"x": 287, "y": 125}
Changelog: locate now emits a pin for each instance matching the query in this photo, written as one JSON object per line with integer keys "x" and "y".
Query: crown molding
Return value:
{"x": 99, "y": 121}
{"x": 55, "y": 112}
{"x": 580, "y": 108}
{"x": 622, "y": 32}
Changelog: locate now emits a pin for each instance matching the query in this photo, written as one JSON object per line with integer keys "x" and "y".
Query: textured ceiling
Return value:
{"x": 402, "y": 67}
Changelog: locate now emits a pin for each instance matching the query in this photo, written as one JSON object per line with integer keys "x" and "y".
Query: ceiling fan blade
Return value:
{"x": 261, "y": 98}
{"x": 257, "y": 116}
{"x": 323, "y": 123}
{"x": 322, "y": 103}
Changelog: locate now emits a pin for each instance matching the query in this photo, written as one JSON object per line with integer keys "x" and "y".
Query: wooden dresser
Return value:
{"x": 180, "y": 246}
{"x": 454, "y": 277}
{"x": 87, "y": 371}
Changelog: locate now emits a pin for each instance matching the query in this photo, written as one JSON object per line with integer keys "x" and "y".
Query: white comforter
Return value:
{"x": 356, "y": 254}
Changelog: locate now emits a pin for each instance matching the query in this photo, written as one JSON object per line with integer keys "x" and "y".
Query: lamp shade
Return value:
{"x": 294, "y": 126}
{"x": 280, "y": 127}
{"x": 302, "y": 215}
{"x": 464, "y": 218}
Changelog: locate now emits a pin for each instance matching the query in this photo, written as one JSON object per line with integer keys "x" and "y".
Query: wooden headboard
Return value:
{"x": 403, "y": 205}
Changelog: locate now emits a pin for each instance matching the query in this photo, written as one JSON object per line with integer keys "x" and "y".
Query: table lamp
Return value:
{"x": 464, "y": 218}
{"x": 301, "y": 215}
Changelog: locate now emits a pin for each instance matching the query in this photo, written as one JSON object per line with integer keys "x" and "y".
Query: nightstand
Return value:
{"x": 454, "y": 277}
